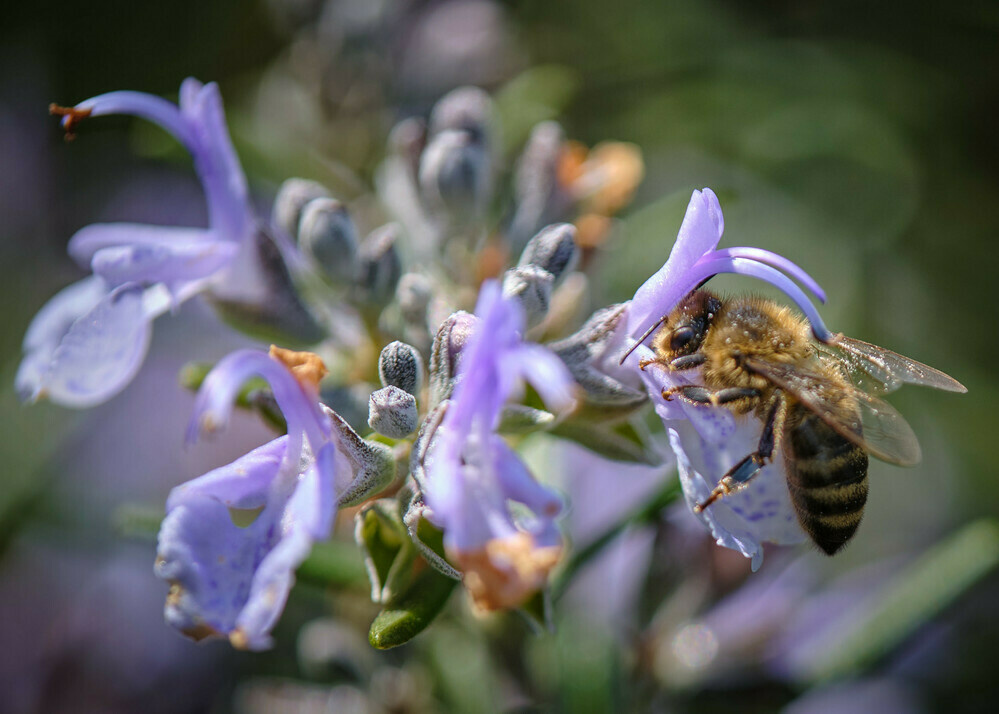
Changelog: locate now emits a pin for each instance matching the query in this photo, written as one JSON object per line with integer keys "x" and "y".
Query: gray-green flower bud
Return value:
{"x": 379, "y": 265}
{"x": 464, "y": 109}
{"x": 554, "y": 249}
{"x": 413, "y": 295}
{"x": 446, "y": 351}
{"x": 532, "y": 286}
{"x": 327, "y": 236}
{"x": 291, "y": 199}
{"x": 392, "y": 412}
{"x": 456, "y": 175}
{"x": 400, "y": 365}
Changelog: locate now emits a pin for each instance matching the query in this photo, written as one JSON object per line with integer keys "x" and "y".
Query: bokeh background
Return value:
{"x": 858, "y": 139}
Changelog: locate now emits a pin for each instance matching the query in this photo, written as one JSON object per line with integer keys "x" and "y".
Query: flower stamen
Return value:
{"x": 71, "y": 116}
{"x": 308, "y": 368}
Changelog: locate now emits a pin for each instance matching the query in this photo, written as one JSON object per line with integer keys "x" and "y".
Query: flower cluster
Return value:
{"x": 440, "y": 446}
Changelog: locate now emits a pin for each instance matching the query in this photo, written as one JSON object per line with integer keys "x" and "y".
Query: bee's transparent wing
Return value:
{"x": 891, "y": 369}
{"x": 867, "y": 421}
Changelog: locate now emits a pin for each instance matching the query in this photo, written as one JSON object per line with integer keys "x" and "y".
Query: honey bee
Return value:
{"x": 756, "y": 357}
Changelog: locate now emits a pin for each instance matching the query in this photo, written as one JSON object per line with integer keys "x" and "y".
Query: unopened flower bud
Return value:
{"x": 327, "y": 235}
{"x": 553, "y": 249}
{"x": 392, "y": 412}
{"x": 379, "y": 265}
{"x": 449, "y": 341}
{"x": 413, "y": 295}
{"x": 407, "y": 140}
{"x": 456, "y": 175}
{"x": 538, "y": 197}
{"x": 400, "y": 365}
{"x": 291, "y": 199}
{"x": 466, "y": 109}
{"x": 532, "y": 286}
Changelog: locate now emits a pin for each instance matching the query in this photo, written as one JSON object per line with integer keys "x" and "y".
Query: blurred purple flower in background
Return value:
{"x": 708, "y": 441}
{"x": 233, "y": 581}
{"x": 472, "y": 474}
{"x": 89, "y": 341}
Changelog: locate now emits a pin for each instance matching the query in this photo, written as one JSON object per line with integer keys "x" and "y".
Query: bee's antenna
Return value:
{"x": 642, "y": 339}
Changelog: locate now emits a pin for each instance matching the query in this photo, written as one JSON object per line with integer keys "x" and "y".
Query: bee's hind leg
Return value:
{"x": 740, "y": 475}
{"x": 706, "y": 397}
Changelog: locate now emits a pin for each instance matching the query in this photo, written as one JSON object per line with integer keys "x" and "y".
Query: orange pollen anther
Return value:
{"x": 73, "y": 117}
{"x": 307, "y": 367}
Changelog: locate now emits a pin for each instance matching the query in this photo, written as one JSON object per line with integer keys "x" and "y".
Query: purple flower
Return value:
{"x": 472, "y": 475}
{"x": 710, "y": 441}
{"x": 88, "y": 342}
{"x": 232, "y": 580}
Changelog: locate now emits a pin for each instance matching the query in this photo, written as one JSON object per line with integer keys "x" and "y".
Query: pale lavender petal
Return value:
{"x": 90, "y": 239}
{"x": 215, "y": 160}
{"x": 211, "y": 563}
{"x": 242, "y": 484}
{"x": 313, "y": 506}
{"x": 760, "y": 255}
{"x": 48, "y": 328}
{"x": 699, "y": 233}
{"x": 519, "y": 485}
{"x": 761, "y": 512}
{"x": 215, "y": 399}
{"x": 101, "y": 352}
{"x": 269, "y": 590}
{"x": 547, "y": 374}
{"x": 172, "y": 265}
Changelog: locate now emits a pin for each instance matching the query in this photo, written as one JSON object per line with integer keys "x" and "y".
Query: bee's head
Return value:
{"x": 686, "y": 327}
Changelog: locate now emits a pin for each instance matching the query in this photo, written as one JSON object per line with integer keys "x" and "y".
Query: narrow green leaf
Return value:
{"x": 920, "y": 592}
{"x": 621, "y": 443}
{"x": 519, "y": 419}
{"x": 403, "y": 620}
{"x": 333, "y": 563}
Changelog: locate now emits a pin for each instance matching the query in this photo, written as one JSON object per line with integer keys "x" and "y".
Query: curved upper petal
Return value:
{"x": 700, "y": 232}
{"x": 90, "y": 239}
{"x": 215, "y": 159}
{"x": 173, "y": 265}
{"x": 101, "y": 352}
{"x": 218, "y": 392}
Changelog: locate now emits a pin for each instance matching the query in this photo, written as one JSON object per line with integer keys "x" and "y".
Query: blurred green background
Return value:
{"x": 857, "y": 139}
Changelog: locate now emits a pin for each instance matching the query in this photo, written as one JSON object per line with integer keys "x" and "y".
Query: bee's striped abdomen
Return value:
{"x": 827, "y": 478}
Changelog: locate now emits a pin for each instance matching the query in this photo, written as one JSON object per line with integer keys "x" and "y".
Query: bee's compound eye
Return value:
{"x": 681, "y": 339}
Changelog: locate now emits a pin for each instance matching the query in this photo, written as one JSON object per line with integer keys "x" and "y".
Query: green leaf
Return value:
{"x": 519, "y": 419}
{"x": 389, "y": 552}
{"x": 536, "y": 95}
{"x": 916, "y": 595}
{"x": 333, "y": 563}
{"x": 618, "y": 443}
{"x": 404, "y": 619}
{"x": 137, "y": 521}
